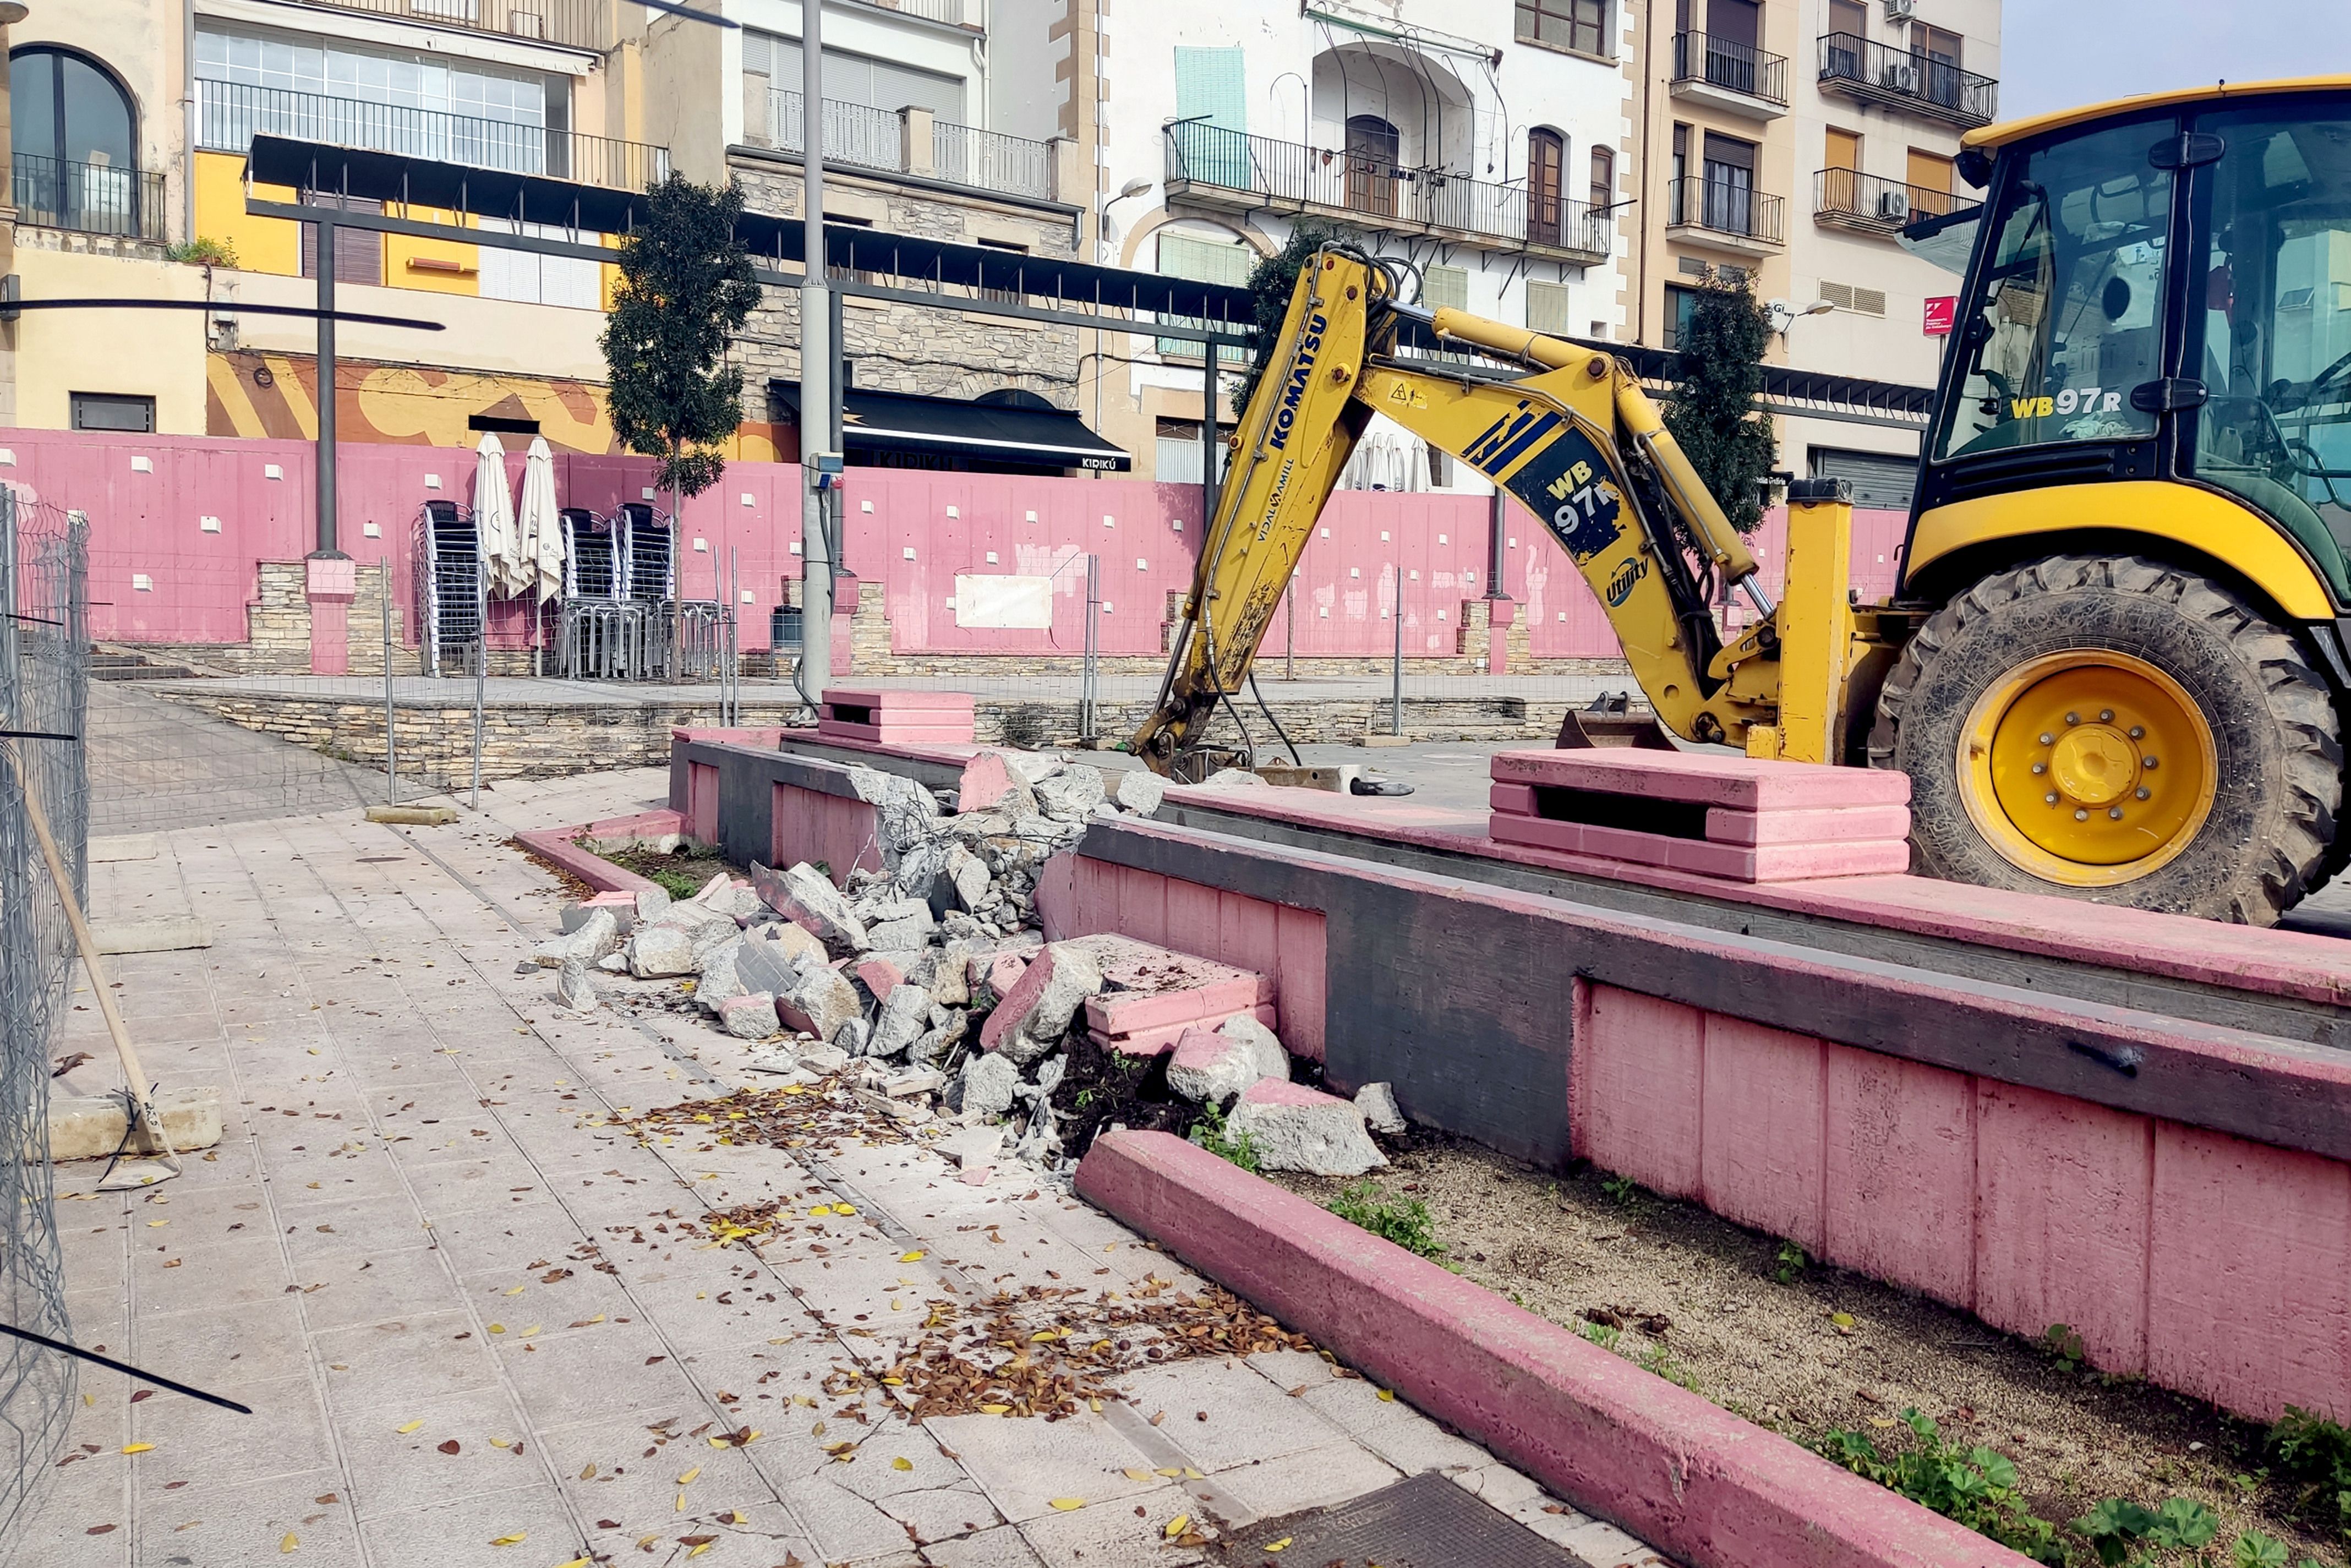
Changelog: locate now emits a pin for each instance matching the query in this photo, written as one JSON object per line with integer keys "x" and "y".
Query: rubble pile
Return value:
{"x": 925, "y": 994}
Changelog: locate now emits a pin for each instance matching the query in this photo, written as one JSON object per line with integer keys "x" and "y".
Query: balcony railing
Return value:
{"x": 1206, "y": 161}
{"x": 955, "y": 12}
{"x": 230, "y": 114}
{"x": 1726, "y": 207}
{"x": 869, "y": 138}
{"x": 1901, "y": 79}
{"x": 578, "y": 23}
{"x": 1849, "y": 199}
{"x": 90, "y": 198}
{"x": 1732, "y": 66}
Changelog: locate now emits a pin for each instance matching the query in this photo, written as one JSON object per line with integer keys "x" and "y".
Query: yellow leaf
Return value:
{"x": 516, "y": 1290}
{"x": 500, "y": 1443}
{"x": 588, "y": 1472}
{"x": 1841, "y": 1320}
{"x": 699, "y": 1550}
{"x": 517, "y": 1539}
{"x": 794, "y": 1089}
{"x": 136, "y": 1448}
{"x": 1175, "y": 1526}
{"x": 289, "y": 1543}
{"x": 1170, "y": 1471}
{"x": 1136, "y": 1475}
{"x": 819, "y": 1211}
{"x": 687, "y": 1480}
{"x": 1191, "y": 1475}
{"x": 1068, "y": 1504}
{"x": 995, "y": 1410}
{"x": 916, "y": 1256}
{"x": 1095, "y": 1405}
{"x": 1881, "y": 1420}
{"x": 679, "y": 1507}
{"x": 1276, "y": 1545}
{"x": 576, "y": 1562}
{"x": 843, "y": 1208}
{"x": 498, "y": 1328}
{"x": 532, "y": 1330}
{"x": 412, "y": 1426}
{"x": 1388, "y": 1395}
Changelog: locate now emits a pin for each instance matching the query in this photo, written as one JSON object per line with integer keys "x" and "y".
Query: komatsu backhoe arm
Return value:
{"x": 1577, "y": 441}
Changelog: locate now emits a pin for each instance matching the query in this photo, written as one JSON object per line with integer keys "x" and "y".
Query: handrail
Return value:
{"x": 577, "y": 22}
{"x": 869, "y": 138}
{"x": 1726, "y": 207}
{"x": 1729, "y": 64}
{"x": 1907, "y": 79}
{"x": 88, "y": 198}
{"x": 1876, "y": 199}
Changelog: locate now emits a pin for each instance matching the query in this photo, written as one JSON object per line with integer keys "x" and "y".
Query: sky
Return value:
{"x": 2055, "y": 54}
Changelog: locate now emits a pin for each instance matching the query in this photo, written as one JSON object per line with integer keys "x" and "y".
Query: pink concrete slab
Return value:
{"x": 1512, "y": 799}
{"x": 1152, "y": 1042}
{"x": 2062, "y": 1190}
{"x": 894, "y": 732}
{"x": 1283, "y": 1091}
{"x": 1019, "y": 1002}
{"x": 880, "y": 976}
{"x": 1834, "y": 824}
{"x": 839, "y": 831}
{"x": 891, "y": 700}
{"x": 951, "y": 754}
{"x": 1695, "y": 1481}
{"x": 1705, "y": 778}
{"x": 637, "y": 825}
{"x": 762, "y": 737}
{"x": 1300, "y": 947}
{"x": 560, "y": 847}
{"x": 1123, "y": 1012}
{"x": 1723, "y": 862}
{"x": 1901, "y": 1173}
{"x": 1637, "y": 1064}
{"x": 702, "y": 802}
{"x": 1759, "y": 1154}
{"x": 1001, "y": 972}
{"x": 987, "y": 779}
{"x": 2248, "y": 1275}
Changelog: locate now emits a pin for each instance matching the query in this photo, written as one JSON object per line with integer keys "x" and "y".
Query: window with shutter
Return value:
{"x": 359, "y": 253}
{"x": 1443, "y": 287}
{"x": 1547, "y": 307}
{"x": 1203, "y": 260}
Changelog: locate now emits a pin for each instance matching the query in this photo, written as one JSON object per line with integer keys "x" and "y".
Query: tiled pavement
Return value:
{"x": 413, "y": 1151}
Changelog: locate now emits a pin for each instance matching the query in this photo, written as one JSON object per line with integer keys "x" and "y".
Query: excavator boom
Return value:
{"x": 1577, "y": 441}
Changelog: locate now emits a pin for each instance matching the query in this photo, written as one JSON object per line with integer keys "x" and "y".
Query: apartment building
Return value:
{"x": 132, "y": 121}
{"x": 1787, "y": 143}
{"x": 1476, "y": 141}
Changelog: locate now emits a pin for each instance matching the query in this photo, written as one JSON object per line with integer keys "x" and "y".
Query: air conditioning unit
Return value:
{"x": 1894, "y": 205}
{"x": 1901, "y": 78}
{"x": 1900, "y": 10}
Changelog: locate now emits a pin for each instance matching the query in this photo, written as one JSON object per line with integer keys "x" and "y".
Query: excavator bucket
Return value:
{"x": 1612, "y": 720}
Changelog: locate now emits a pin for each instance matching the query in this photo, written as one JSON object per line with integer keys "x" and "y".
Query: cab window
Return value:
{"x": 2066, "y": 316}
{"x": 2275, "y": 317}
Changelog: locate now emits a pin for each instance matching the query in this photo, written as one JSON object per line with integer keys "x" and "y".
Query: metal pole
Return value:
{"x": 326, "y": 460}
{"x": 734, "y": 636}
{"x": 1207, "y": 443}
{"x": 1289, "y": 632}
{"x": 481, "y": 678}
{"x": 391, "y": 734}
{"x": 1395, "y": 673}
{"x": 817, "y": 370}
{"x": 1092, "y": 689}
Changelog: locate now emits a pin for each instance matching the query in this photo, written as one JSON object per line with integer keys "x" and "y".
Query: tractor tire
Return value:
{"x": 2116, "y": 730}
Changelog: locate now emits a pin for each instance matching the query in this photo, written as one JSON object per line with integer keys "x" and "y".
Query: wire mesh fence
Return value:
{"x": 42, "y": 646}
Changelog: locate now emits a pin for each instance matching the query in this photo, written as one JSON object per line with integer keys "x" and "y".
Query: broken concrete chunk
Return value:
{"x": 770, "y": 960}
{"x": 914, "y": 1080}
{"x": 613, "y": 963}
{"x": 751, "y": 1016}
{"x": 849, "y": 1038}
{"x": 1036, "y": 766}
{"x": 1234, "y": 778}
{"x": 1038, "y": 1011}
{"x": 823, "y": 1058}
{"x": 803, "y": 896}
{"x": 821, "y": 1001}
{"x": 1070, "y": 794}
{"x": 743, "y": 901}
{"x": 1378, "y": 1103}
{"x": 623, "y": 907}
{"x": 967, "y": 874}
{"x": 1211, "y": 1066}
{"x": 720, "y": 981}
{"x": 905, "y": 1015}
{"x": 572, "y": 986}
{"x": 996, "y": 975}
{"x": 950, "y": 984}
{"x": 1244, "y": 1028}
{"x": 1140, "y": 790}
{"x": 1295, "y": 1128}
{"x": 690, "y": 916}
{"x": 899, "y": 925}
{"x": 715, "y": 893}
{"x": 987, "y": 1087}
{"x": 970, "y": 1146}
{"x": 658, "y": 951}
{"x": 650, "y": 900}
{"x": 878, "y": 975}
{"x": 597, "y": 935}
{"x": 992, "y": 782}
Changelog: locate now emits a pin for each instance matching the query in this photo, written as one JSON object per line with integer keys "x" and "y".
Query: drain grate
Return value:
{"x": 1425, "y": 1522}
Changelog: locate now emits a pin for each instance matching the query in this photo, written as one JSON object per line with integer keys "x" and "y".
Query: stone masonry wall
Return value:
{"x": 277, "y": 629}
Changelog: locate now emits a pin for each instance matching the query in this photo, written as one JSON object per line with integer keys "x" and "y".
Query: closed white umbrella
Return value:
{"x": 540, "y": 526}
{"x": 494, "y": 518}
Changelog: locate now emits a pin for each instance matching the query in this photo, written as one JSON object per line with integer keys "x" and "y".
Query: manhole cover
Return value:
{"x": 1425, "y": 1522}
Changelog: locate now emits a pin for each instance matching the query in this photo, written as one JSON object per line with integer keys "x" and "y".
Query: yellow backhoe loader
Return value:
{"x": 2114, "y": 666}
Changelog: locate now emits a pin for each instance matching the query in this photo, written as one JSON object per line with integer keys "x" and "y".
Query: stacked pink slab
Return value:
{"x": 895, "y": 718}
{"x": 1151, "y": 996}
{"x": 1712, "y": 814}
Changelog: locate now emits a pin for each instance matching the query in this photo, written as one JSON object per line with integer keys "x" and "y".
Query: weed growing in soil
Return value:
{"x": 1403, "y": 1221}
{"x": 1790, "y": 1265}
{"x": 1657, "y": 1359}
{"x": 2062, "y": 1341}
{"x": 1977, "y": 1486}
{"x": 674, "y": 874}
{"x": 1620, "y": 1188}
{"x": 2315, "y": 1453}
{"x": 1211, "y": 1132}
{"x": 1600, "y": 1334}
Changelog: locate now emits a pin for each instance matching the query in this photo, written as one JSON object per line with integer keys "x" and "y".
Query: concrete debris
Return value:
{"x": 993, "y": 783}
{"x": 597, "y": 935}
{"x": 1378, "y": 1103}
{"x": 986, "y": 1088}
{"x": 572, "y": 986}
{"x": 880, "y": 977}
{"x": 659, "y": 950}
{"x": 822, "y": 1002}
{"x": 967, "y": 875}
{"x": 849, "y": 1038}
{"x": 917, "y": 1080}
{"x": 1140, "y": 790}
{"x": 1295, "y": 1128}
{"x": 1036, "y": 766}
{"x": 1070, "y": 794}
{"x": 782, "y": 1062}
{"x": 623, "y": 907}
{"x": 1233, "y": 778}
{"x": 823, "y": 1058}
{"x": 901, "y": 924}
{"x": 1036, "y": 1014}
{"x": 751, "y": 1016}
{"x": 720, "y": 983}
{"x": 718, "y": 888}
{"x": 906, "y": 1015}
{"x": 970, "y": 1146}
{"x": 613, "y": 963}
{"x": 695, "y": 919}
{"x": 650, "y": 900}
{"x": 804, "y": 896}
{"x": 1212, "y": 1066}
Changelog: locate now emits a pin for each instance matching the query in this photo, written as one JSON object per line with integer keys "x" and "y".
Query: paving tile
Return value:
{"x": 585, "y": 1376}
{"x": 202, "y": 1446}
{"x": 392, "y": 1469}
{"x": 344, "y": 1291}
{"x": 1129, "y": 1531}
{"x": 1025, "y": 1465}
{"x": 1307, "y": 1477}
{"x": 1246, "y": 1416}
{"x": 642, "y": 1492}
{"x": 1003, "y": 1547}
{"x": 460, "y": 1533}
{"x": 246, "y": 1526}
{"x": 415, "y": 1356}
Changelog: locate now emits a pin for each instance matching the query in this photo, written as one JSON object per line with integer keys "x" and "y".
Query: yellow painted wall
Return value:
{"x": 151, "y": 353}
{"x": 401, "y": 250}
{"x": 262, "y": 245}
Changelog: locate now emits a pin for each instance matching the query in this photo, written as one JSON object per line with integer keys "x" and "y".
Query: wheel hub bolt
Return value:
{"x": 2041, "y": 767}
{"x": 2115, "y": 812}
{"x": 2106, "y": 715}
{"x": 2051, "y": 798}
{"x": 2048, "y": 740}
{"x": 2147, "y": 762}
{"x": 2138, "y": 732}
{"x": 2081, "y": 814}
{"x": 2144, "y": 793}
{"x": 2073, "y": 718}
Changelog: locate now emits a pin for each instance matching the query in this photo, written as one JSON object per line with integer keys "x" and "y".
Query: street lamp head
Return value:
{"x": 12, "y": 12}
{"x": 1137, "y": 187}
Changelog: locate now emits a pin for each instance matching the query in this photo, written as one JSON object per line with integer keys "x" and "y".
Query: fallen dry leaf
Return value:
{"x": 412, "y": 1426}
{"x": 449, "y": 1447}
{"x": 1068, "y": 1504}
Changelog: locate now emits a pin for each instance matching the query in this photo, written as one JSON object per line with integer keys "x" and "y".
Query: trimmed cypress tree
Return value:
{"x": 1714, "y": 414}
{"x": 1271, "y": 283}
{"x": 686, "y": 288}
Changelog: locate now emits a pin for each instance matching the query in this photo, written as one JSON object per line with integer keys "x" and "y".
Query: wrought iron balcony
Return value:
{"x": 1745, "y": 218}
{"x": 879, "y": 138}
{"x": 1733, "y": 68}
{"x": 579, "y": 24}
{"x": 230, "y": 114}
{"x": 1211, "y": 166}
{"x": 1897, "y": 78}
{"x": 89, "y": 198}
{"x": 1846, "y": 198}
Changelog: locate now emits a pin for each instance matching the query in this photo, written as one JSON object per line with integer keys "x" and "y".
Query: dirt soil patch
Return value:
{"x": 1806, "y": 1349}
{"x": 681, "y": 872}
{"x": 574, "y": 888}
{"x": 1101, "y": 1086}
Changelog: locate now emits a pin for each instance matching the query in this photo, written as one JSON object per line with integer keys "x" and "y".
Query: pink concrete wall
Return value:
{"x": 812, "y": 826}
{"x": 912, "y": 531}
{"x": 1284, "y": 944}
{"x": 2211, "y": 1264}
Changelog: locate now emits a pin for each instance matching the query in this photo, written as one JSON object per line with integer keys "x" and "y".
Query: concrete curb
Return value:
{"x": 1688, "y": 1478}
{"x": 561, "y": 845}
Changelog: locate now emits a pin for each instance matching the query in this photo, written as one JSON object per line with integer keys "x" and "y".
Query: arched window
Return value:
{"x": 1372, "y": 149}
{"x": 1546, "y": 174}
{"x": 75, "y": 143}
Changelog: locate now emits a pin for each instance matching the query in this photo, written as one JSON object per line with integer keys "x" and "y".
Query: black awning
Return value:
{"x": 1014, "y": 427}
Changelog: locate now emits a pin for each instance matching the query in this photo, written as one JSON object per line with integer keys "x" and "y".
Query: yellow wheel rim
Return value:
{"x": 2087, "y": 768}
